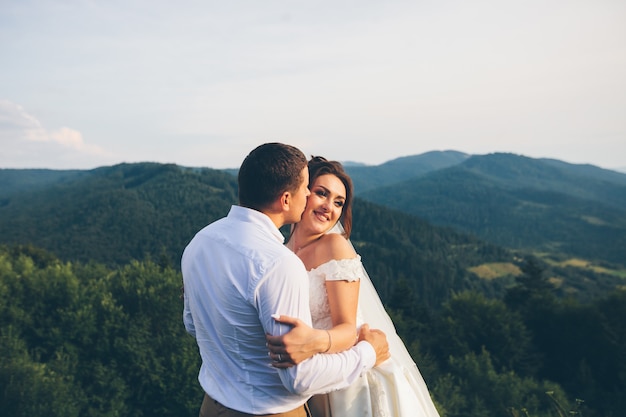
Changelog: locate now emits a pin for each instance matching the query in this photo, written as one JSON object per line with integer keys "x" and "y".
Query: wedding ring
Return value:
{"x": 279, "y": 358}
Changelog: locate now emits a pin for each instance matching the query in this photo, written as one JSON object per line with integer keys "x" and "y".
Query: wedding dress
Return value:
{"x": 395, "y": 388}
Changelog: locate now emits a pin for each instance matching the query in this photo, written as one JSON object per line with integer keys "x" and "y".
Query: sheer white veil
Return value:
{"x": 375, "y": 315}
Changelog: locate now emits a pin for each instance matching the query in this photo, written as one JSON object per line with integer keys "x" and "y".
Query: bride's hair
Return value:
{"x": 318, "y": 166}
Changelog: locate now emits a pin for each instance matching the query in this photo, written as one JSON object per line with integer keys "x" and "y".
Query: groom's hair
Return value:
{"x": 268, "y": 171}
{"x": 319, "y": 166}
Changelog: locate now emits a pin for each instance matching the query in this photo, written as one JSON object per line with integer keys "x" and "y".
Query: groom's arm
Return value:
{"x": 287, "y": 291}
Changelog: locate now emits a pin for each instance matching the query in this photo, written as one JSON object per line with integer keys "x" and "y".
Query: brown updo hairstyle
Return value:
{"x": 319, "y": 166}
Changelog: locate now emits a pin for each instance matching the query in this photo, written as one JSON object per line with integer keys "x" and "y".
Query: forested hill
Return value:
{"x": 519, "y": 202}
{"x": 113, "y": 215}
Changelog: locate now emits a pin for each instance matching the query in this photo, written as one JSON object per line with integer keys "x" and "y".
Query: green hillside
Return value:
{"x": 120, "y": 213}
{"x": 410, "y": 261}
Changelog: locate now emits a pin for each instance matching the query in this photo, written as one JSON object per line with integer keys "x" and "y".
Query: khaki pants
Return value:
{"x": 211, "y": 408}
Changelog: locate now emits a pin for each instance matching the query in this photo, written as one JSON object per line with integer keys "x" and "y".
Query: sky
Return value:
{"x": 87, "y": 83}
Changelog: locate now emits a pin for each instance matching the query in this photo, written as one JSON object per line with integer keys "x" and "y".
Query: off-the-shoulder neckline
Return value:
{"x": 345, "y": 260}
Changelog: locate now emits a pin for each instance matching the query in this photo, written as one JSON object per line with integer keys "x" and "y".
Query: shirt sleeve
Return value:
{"x": 285, "y": 290}
{"x": 187, "y": 318}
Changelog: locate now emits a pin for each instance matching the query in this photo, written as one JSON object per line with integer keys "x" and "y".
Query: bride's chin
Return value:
{"x": 318, "y": 228}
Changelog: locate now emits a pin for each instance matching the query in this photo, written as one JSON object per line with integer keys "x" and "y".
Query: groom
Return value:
{"x": 237, "y": 273}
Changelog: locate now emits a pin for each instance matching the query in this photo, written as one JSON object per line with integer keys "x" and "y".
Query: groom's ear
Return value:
{"x": 281, "y": 204}
{"x": 285, "y": 200}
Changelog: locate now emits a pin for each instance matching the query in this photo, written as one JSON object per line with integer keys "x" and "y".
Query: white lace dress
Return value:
{"x": 392, "y": 389}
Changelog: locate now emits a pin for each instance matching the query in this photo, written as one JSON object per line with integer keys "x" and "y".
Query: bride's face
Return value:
{"x": 325, "y": 204}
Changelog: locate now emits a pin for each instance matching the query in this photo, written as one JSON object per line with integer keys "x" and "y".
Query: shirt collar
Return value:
{"x": 253, "y": 216}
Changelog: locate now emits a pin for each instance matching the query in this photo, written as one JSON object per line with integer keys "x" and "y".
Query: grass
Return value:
{"x": 494, "y": 270}
{"x": 585, "y": 264}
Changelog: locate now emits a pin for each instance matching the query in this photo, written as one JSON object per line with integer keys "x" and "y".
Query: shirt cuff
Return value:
{"x": 367, "y": 353}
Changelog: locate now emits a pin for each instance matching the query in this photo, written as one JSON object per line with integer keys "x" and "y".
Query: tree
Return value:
{"x": 478, "y": 389}
{"x": 471, "y": 323}
{"x": 532, "y": 286}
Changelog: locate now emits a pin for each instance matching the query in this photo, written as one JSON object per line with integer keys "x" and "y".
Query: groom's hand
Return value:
{"x": 378, "y": 340}
{"x": 295, "y": 346}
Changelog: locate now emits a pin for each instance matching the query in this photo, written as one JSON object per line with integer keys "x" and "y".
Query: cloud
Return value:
{"x": 27, "y": 143}
{"x": 73, "y": 139}
{"x": 16, "y": 124}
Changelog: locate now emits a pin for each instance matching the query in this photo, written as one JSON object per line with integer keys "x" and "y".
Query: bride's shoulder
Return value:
{"x": 336, "y": 246}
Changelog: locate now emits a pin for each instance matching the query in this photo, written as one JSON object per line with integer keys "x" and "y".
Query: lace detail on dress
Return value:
{"x": 378, "y": 395}
{"x": 333, "y": 270}
{"x": 340, "y": 270}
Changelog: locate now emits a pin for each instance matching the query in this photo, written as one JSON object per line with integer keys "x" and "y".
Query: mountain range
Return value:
{"x": 514, "y": 201}
{"x": 441, "y": 221}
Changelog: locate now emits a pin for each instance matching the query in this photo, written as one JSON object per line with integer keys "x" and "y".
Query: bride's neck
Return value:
{"x": 299, "y": 242}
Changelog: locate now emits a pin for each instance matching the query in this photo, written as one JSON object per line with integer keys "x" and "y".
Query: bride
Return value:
{"x": 342, "y": 298}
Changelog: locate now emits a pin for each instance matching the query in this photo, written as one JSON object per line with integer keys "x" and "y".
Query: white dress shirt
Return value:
{"x": 236, "y": 274}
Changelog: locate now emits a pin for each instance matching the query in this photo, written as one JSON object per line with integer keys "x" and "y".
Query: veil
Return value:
{"x": 374, "y": 314}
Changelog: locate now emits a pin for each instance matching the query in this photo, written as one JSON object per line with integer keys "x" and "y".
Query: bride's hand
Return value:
{"x": 297, "y": 345}
{"x": 378, "y": 340}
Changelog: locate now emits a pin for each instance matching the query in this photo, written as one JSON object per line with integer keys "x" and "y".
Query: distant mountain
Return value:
{"x": 588, "y": 171}
{"x": 20, "y": 180}
{"x": 520, "y": 202}
{"x": 353, "y": 164}
{"x": 369, "y": 177}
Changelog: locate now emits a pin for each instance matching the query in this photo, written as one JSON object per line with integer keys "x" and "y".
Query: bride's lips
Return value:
{"x": 320, "y": 216}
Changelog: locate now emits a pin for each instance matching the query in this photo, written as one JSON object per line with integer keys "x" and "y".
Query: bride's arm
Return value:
{"x": 343, "y": 298}
{"x": 302, "y": 341}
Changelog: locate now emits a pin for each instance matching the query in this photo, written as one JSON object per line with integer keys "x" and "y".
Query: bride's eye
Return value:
{"x": 320, "y": 193}
{"x": 339, "y": 203}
